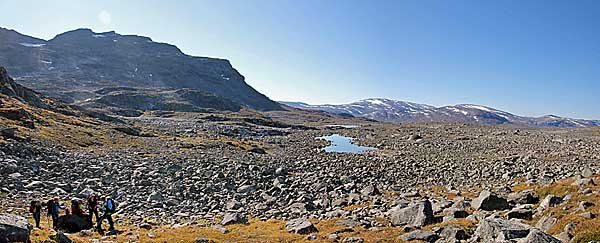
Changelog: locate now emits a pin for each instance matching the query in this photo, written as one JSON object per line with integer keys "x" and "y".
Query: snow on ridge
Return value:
{"x": 478, "y": 107}
{"x": 375, "y": 101}
{"x": 31, "y": 45}
{"x": 98, "y": 36}
{"x": 457, "y": 110}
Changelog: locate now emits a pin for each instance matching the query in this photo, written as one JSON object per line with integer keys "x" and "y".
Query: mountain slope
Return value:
{"x": 393, "y": 110}
{"x": 83, "y": 61}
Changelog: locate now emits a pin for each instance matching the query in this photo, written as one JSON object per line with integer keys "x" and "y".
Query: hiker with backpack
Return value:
{"x": 53, "y": 210}
{"x": 108, "y": 208}
{"x": 76, "y": 207}
{"x": 92, "y": 206}
{"x": 36, "y": 209}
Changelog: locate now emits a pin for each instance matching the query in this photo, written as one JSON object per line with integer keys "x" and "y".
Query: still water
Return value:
{"x": 341, "y": 144}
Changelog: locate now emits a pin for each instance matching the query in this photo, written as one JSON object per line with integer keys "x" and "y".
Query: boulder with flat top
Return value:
{"x": 74, "y": 223}
{"x": 14, "y": 228}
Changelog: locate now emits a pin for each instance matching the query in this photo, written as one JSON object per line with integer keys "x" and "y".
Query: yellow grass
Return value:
{"x": 255, "y": 231}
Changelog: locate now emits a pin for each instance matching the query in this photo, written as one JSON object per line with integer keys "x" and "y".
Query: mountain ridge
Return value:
{"x": 82, "y": 61}
{"x": 382, "y": 109}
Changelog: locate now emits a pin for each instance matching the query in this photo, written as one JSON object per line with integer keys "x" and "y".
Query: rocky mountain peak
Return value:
{"x": 75, "y": 63}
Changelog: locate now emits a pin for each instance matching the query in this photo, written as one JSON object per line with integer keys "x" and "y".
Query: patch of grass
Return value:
{"x": 587, "y": 237}
{"x": 255, "y": 231}
{"x": 559, "y": 189}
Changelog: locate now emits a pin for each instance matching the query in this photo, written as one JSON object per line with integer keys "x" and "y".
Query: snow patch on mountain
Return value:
{"x": 394, "y": 110}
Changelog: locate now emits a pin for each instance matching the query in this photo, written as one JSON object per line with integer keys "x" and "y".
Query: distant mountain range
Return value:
{"x": 394, "y": 110}
{"x": 78, "y": 66}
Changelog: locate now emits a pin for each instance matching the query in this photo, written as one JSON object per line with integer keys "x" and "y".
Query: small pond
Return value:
{"x": 341, "y": 144}
{"x": 342, "y": 126}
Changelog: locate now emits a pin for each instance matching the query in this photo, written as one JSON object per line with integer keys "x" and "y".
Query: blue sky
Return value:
{"x": 527, "y": 57}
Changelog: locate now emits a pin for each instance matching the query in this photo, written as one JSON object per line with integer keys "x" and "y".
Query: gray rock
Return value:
{"x": 587, "y": 215}
{"x": 280, "y": 171}
{"x": 14, "y": 228}
{"x": 584, "y": 182}
{"x": 453, "y": 233}
{"x": 548, "y": 202}
{"x": 353, "y": 240}
{"x": 202, "y": 240}
{"x": 347, "y": 223}
{"x": 60, "y": 237}
{"x": 415, "y": 215}
{"x": 520, "y": 213}
{"x": 422, "y": 235}
{"x": 370, "y": 191}
{"x": 524, "y": 197}
{"x": 233, "y": 218}
{"x": 454, "y": 213}
{"x": 156, "y": 197}
{"x": 587, "y": 172}
{"x": 300, "y": 226}
{"x": 246, "y": 189}
{"x": 233, "y": 205}
{"x": 546, "y": 223}
{"x": 441, "y": 206}
{"x": 584, "y": 205}
{"x": 85, "y": 233}
{"x": 489, "y": 201}
{"x": 492, "y": 229}
{"x": 538, "y": 236}
{"x": 220, "y": 228}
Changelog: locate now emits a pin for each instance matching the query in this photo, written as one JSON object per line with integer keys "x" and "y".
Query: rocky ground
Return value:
{"x": 230, "y": 168}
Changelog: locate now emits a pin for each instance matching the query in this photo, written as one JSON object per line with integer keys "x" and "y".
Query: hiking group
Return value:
{"x": 105, "y": 205}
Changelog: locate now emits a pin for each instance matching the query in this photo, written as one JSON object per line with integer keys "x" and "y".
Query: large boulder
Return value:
{"x": 549, "y": 202}
{"x": 490, "y": 201}
{"x": 584, "y": 182}
{"x": 538, "y": 236}
{"x": 454, "y": 233}
{"x": 300, "y": 226}
{"x": 233, "y": 218}
{"x": 14, "y": 228}
{"x": 524, "y": 197}
{"x": 493, "y": 229}
{"x": 73, "y": 223}
{"x": 420, "y": 235}
{"x": 520, "y": 213}
{"x": 60, "y": 237}
{"x": 546, "y": 223}
{"x": 416, "y": 215}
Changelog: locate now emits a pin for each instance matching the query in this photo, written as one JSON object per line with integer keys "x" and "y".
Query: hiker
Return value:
{"x": 108, "y": 208}
{"x": 92, "y": 206}
{"x": 76, "y": 207}
{"x": 53, "y": 210}
{"x": 36, "y": 209}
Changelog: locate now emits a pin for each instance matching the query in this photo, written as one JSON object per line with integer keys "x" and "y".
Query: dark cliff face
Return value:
{"x": 10, "y": 88}
{"x": 83, "y": 60}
